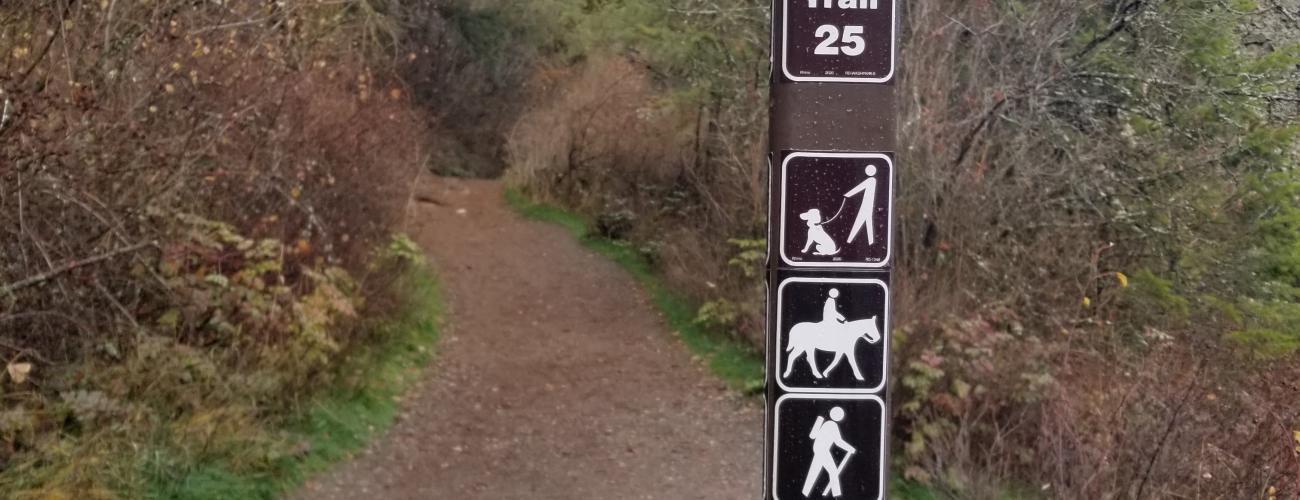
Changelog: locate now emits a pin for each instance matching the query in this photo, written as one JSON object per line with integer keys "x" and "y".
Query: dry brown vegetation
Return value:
{"x": 1097, "y": 262}
{"x": 192, "y": 195}
{"x": 606, "y": 141}
{"x": 1095, "y": 276}
{"x": 1084, "y": 207}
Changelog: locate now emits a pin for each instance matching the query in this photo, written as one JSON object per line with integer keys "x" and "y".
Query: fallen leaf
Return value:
{"x": 19, "y": 371}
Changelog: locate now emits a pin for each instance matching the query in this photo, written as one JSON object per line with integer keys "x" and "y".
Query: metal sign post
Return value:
{"x": 831, "y": 192}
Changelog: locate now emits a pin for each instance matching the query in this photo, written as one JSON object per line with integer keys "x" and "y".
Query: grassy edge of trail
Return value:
{"x": 739, "y": 365}
{"x": 342, "y": 419}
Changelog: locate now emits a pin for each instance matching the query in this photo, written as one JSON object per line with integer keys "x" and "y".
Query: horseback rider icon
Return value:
{"x": 835, "y": 334}
{"x": 826, "y": 436}
{"x": 831, "y": 311}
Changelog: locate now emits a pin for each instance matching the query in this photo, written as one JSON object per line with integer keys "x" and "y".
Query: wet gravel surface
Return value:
{"x": 555, "y": 379}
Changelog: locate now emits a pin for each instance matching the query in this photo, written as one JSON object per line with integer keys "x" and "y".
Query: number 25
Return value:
{"x": 852, "y": 37}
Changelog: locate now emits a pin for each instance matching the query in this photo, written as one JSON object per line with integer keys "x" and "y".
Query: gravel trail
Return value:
{"x": 556, "y": 379}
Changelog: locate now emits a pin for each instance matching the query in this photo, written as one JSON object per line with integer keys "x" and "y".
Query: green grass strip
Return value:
{"x": 343, "y": 419}
{"x": 741, "y": 366}
{"x": 738, "y": 364}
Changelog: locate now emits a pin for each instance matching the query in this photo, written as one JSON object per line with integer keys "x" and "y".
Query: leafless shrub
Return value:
{"x": 141, "y": 112}
{"x": 602, "y": 133}
{"x": 1029, "y": 360}
{"x": 1023, "y": 190}
{"x": 201, "y": 183}
{"x": 608, "y": 141}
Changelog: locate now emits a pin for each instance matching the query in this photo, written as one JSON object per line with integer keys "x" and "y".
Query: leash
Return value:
{"x": 843, "y": 202}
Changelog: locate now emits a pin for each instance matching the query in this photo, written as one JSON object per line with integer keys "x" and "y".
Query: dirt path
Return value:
{"x": 556, "y": 380}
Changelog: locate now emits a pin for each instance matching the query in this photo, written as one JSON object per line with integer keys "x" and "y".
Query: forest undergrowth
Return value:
{"x": 1096, "y": 279}
{"x": 204, "y": 292}
{"x": 1098, "y": 257}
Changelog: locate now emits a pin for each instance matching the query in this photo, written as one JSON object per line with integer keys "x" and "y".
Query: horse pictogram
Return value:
{"x": 832, "y": 334}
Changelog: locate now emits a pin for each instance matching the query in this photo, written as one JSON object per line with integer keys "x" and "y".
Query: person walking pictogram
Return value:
{"x": 868, "y": 207}
{"x": 826, "y": 435}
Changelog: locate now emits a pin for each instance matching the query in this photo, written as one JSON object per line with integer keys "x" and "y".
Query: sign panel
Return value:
{"x": 832, "y": 335}
{"x": 836, "y": 209}
{"x": 828, "y": 446}
{"x": 830, "y": 239}
{"x": 838, "y": 40}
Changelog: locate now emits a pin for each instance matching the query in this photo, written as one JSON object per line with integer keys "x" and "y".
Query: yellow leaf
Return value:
{"x": 1123, "y": 279}
{"x": 170, "y": 319}
{"x": 962, "y": 389}
{"x": 1087, "y": 302}
{"x": 19, "y": 371}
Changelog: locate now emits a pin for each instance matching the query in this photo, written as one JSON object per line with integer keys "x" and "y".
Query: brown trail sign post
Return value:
{"x": 831, "y": 191}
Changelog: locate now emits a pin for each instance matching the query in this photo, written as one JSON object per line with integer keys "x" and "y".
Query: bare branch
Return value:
{"x": 1189, "y": 88}
{"x": 1126, "y": 14}
{"x": 71, "y": 265}
{"x": 5, "y": 110}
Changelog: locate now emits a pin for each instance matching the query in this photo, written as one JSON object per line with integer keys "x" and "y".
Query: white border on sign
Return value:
{"x": 780, "y": 338}
{"x": 785, "y": 50}
{"x": 889, "y": 209}
{"x": 776, "y": 431}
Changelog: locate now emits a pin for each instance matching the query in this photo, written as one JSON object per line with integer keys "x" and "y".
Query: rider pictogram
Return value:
{"x": 831, "y": 334}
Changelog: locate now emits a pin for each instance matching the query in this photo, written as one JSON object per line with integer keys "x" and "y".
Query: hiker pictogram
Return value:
{"x": 828, "y": 447}
{"x": 826, "y": 435}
